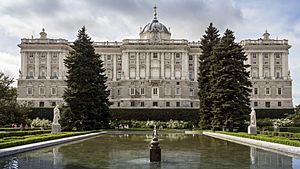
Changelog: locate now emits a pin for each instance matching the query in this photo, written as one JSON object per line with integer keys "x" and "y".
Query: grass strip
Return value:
{"x": 27, "y": 139}
{"x": 268, "y": 138}
{"x": 23, "y": 133}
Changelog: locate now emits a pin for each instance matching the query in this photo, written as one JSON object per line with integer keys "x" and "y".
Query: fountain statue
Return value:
{"x": 155, "y": 151}
{"x": 252, "y": 129}
{"x": 56, "y": 128}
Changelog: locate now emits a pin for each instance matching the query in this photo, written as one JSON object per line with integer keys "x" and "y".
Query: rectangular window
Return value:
{"x": 142, "y": 91}
{"x": 132, "y": 57}
{"x": 155, "y": 91}
{"x": 255, "y": 91}
{"x": 53, "y": 90}
{"x": 266, "y": 63}
{"x": 42, "y": 104}
{"x": 254, "y": 63}
{"x": 192, "y": 105}
{"x": 279, "y": 91}
{"x": 142, "y": 104}
{"x": 267, "y": 91}
{"x": 253, "y": 55}
{"x": 132, "y": 91}
{"x": 119, "y": 104}
{"x": 191, "y": 92}
{"x": 279, "y": 104}
{"x": 119, "y": 92}
{"x": 255, "y": 104}
{"x": 266, "y": 55}
{"x": 177, "y": 55}
{"x": 132, "y": 104}
{"x": 190, "y": 57}
{"x": 268, "y": 104}
{"x": 167, "y": 104}
{"x": 108, "y": 57}
{"x": 177, "y": 104}
{"x": 42, "y": 90}
{"x": 29, "y": 91}
{"x": 178, "y": 91}
{"x": 155, "y": 56}
{"x": 53, "y": 104}
{"x": 155, "y": 104}
{"x": 277, "y": 55}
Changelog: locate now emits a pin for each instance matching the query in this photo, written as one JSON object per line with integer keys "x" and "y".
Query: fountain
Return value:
{"x": 155, "y": 151}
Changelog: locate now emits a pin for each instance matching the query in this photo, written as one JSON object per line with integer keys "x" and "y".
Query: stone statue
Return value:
{"x": 253, "y": 117}
{"x": 154, "y": 131}
{"x": 252, "y": 127}
{"x": 56, "y": 115}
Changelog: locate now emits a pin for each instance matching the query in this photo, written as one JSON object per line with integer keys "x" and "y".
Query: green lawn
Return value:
{"x": 268, "y": 138}
{"x": 27, "y": 139}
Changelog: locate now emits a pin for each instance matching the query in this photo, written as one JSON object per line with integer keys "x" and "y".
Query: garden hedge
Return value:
{"x": 23, "y": 133}
{"x": 143, "y": 114}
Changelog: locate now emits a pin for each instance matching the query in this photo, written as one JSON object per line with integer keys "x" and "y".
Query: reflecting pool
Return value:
{"x": 131, "y": 151}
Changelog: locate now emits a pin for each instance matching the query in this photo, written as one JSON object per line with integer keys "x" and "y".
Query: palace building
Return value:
{"x": 154, "y": 71}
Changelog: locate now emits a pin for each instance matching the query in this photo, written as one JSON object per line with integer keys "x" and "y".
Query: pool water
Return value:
{"x": 121, "y": 151}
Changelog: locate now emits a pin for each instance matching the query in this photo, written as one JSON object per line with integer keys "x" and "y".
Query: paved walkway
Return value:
{"x": 274, "y": 147}
{"x": 33, "y": 146}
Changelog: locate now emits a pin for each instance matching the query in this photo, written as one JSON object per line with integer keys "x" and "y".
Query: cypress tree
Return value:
{"x": 208, "y": 41}
{"x": 86, "y": 94}
{"x": 230, "y": 84}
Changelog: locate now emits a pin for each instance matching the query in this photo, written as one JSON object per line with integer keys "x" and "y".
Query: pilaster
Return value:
{"x": 196, "y": 68}
{"x": 147, "y": 65}
{"x": 172, "y": 66}
{"x": 260, "y": 65}
{"x": 162, "y": 66}
{"x": 272, "y": 64}
{"x": 114, "y": 67}
{"x": 137, "y": 74}
{"x": 36, "y": 65}
{"x": 48, "y": 65}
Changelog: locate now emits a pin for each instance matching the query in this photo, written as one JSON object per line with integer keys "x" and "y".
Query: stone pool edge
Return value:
{"x": 33, "y": 146}
{"x": 274, "y": 147}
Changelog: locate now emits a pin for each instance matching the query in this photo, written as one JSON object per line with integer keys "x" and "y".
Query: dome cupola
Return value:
{"x": 155, "y": 30}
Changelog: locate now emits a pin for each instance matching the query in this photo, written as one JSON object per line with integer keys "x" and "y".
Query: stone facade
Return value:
{"x": 270, "y": 75}
{"x": 153, "y": 71}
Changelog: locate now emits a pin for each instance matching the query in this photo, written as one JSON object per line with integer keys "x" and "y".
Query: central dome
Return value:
{"x": 155, "y": 30}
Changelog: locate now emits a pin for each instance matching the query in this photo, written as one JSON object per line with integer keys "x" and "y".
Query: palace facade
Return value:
{"x": 154, "y": 71}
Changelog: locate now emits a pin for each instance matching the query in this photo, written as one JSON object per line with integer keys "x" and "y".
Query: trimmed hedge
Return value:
{"x": 21, "y": 140}
{"x": 23, "y": 133}
{"x": 273, "y": 113}
{"x": 144, "y": 114}
{"x": 156, "y": 114}
{"x": 18, "y": 129}
{"x": 274, "y": 138}
{"x": 41, "y": 112}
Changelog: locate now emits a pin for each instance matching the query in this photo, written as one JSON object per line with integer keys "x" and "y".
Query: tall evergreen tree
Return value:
{"x": 208, "y": 41}
{"x": 86, "y": 94}
{"x": 230, "y": 84}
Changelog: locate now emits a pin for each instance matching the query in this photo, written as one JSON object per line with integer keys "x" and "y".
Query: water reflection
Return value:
{"x": 132, "y": 151}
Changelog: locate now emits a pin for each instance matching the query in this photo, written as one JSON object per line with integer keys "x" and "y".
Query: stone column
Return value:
{"x": 285, "y": 65}
{"x": 48, "y": 65}
{"x": 147, "y": 65}
{"x": 172, "y": 66}
{"x": 23, "y": 65}
{"x": 260, "y": 65}
{"x": 195, "y": 68}
{"x": 162, "y": 66}
{"x": 36, "y": 65}
{"x": 115, "y": 67}
{"x": 184, "y": 66}
{"x": 125, "y": 66}
{"x": 137, "y": 74}
{"x": 61, "y": 65}
{"x": 272, "y": 64}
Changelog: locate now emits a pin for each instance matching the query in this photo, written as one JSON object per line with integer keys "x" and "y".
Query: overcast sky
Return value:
{"x": 114, "y": 20}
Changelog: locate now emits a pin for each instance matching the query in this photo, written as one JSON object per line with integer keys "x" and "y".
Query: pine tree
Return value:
{"x": 209, "y": 40}
{"x": 230, "y": 84}
{"x": 86, "y": 94}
